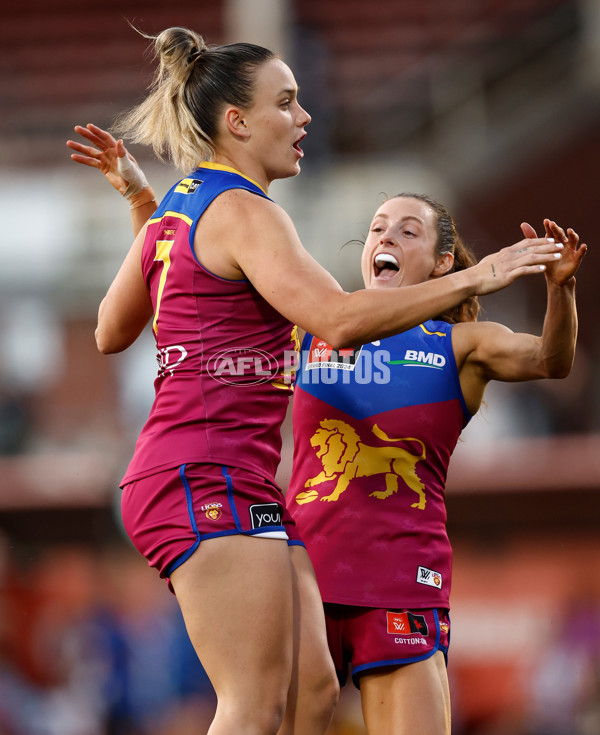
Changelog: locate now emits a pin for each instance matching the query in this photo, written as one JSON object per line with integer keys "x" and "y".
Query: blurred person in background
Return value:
{"x": 219, "y": 269}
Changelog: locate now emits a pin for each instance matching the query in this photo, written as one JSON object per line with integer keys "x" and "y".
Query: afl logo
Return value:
{"x": 243, "y": 366}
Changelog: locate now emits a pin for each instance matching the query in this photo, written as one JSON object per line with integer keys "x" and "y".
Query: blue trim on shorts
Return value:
{"x": 188, "y": 496}
{"x": 169, "y": 569}
{"x": 229, "y": 482}
{"x": 401, "y": 661}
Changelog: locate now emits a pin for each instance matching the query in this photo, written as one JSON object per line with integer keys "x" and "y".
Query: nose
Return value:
{"x": 386, "y": 236}
{"x": 304, "y": 118}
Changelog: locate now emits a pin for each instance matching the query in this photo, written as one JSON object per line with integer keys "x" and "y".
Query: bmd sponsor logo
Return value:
{"x": 242, "y": 366}
{"x": 420, "y": 358}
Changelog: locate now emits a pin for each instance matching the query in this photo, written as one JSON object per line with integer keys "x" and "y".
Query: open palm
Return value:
{"x": 572, "y": 254}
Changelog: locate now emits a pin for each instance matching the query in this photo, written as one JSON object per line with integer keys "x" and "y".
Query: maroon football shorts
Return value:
{"x": 168, "y": 514}
{"x": 365, "y": 639}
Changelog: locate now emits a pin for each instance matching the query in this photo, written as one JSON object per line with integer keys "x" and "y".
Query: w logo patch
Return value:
{"x": 406, "y": 623}
{"x": 429, "y": 577}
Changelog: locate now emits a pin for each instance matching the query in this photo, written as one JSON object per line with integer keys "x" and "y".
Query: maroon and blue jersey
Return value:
{"x": 374, "y": 429}
{"x": 220, "y": 395}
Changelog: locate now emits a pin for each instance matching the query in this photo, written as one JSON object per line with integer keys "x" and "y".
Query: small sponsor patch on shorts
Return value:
{"x": 429, "y": 577}
{"x": 265, "y": 514}
{"x": 406, "y": 623}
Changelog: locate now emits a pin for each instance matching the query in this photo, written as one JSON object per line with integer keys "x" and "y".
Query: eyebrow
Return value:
{"x": 402, "y": 219}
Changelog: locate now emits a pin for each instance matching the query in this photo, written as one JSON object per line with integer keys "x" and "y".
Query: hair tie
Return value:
{"x": 195, "y": 55}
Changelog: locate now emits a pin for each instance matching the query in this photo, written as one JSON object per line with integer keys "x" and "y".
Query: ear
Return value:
{"x": 235, "y": 122}
{"x": 443, "y": 266}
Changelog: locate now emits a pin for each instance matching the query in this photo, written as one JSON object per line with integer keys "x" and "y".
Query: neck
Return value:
{"x": 247, "y": 168}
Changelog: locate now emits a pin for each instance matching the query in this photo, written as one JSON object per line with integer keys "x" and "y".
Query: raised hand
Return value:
{"x": 110, "y": 157}
{"x": 560, "y": 271}
{"x": 533, "y": 255}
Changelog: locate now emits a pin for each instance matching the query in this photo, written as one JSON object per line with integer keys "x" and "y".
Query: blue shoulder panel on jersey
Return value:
{"x": 189, "y": 197}
{"x": 412, "y": 368}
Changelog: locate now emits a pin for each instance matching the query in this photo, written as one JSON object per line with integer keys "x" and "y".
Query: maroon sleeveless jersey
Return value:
{"x": 220, "y": 393}
{"x": 374, "y": 429}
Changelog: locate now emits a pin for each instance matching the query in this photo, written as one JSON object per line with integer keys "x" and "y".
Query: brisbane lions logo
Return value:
{"x": 344, "y": 456}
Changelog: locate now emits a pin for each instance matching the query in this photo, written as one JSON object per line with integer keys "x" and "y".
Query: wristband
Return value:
{"x": 143, "y": 197}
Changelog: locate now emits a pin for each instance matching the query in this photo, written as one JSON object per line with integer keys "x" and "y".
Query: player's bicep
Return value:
{"x": 126, "y": 308}
{"x": 284, "y": 273}
{"x": 501, "y": 354}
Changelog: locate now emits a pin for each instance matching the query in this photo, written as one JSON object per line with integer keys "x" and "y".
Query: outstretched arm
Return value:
{"x": 262, "y": 243}
{"x": 120, "y": 168}
{"x": 488, "y": 351}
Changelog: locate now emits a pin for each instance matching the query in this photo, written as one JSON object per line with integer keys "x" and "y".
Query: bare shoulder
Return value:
{"x": 240, "y": 231}
{"x": 246, "y": 208}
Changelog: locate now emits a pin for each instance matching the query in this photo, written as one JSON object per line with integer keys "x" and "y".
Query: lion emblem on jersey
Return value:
{"x": 344, "y": 456}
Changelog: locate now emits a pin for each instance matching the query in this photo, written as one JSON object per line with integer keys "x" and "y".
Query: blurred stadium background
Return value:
{"x": 491, "y": 106}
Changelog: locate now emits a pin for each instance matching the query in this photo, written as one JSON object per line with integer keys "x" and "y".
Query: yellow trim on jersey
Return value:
{"x": 184, "y": 217}
{"x": 282, "y": 384}
{"x": 163, "y": 253}
{"x": 437, "y": 334}
{"x": 221, "y": 167}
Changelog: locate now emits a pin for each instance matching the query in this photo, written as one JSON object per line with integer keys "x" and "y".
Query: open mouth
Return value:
{"x": 296, "y": 146}
{"x": 385, "y": 265}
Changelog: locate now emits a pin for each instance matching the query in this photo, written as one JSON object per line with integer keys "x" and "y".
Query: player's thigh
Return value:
{"x": 235, "y": 593}
{"x": 408, "y": 699}
{"x": 310, "y": 636}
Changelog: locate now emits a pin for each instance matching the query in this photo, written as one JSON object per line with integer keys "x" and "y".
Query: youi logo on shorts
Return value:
{"x": 420, "y": 358}
{"x": 265, "y": 514}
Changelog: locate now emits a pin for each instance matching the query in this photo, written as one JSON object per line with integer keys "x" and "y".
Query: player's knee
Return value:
{"x": 260, "y": 716}
{"x": 325, "y": 693}
{"x": 270, "y": 715}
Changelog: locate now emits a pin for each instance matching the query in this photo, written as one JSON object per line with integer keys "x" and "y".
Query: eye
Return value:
{"x": 286, "y": 104}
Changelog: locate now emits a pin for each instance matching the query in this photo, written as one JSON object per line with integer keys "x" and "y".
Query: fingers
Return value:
{"x": 85, "y": 150}
{"x": 84, "y": 154}
{"x": 89, "y": 135}
{"x": 103, "y": 135}
{"x": 540, "y": 245}
{"x": 85, "y": 160}
{"x": 572, "y": 238}
{"x": 542, "y": 251}
{"x": 528, "y": 230}
{"x": 97, "y": 136}
{"x": 555, "y": 231}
